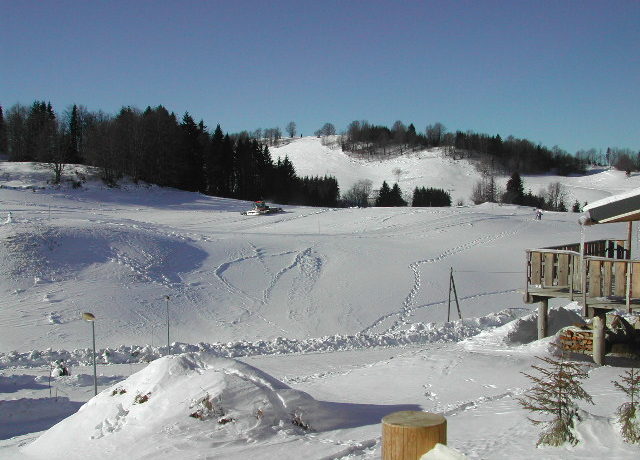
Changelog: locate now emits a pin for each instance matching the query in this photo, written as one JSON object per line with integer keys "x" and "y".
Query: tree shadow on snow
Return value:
{"x": 349, "y": 415}
{"x": 24, "y": 416}
{"x": 13, "y": 383}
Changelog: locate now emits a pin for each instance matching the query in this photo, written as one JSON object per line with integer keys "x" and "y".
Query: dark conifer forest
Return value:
{"x": 154, "y": 146}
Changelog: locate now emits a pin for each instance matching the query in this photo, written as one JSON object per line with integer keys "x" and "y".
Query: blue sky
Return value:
{"x": 563, "y": 73}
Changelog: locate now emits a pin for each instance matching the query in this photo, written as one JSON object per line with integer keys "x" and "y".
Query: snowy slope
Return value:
{"x": 346, "y": 305}
{"x": 429, "y": 168}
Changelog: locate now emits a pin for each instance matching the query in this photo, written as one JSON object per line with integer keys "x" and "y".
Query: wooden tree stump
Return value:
{"x": 407, "y": 435}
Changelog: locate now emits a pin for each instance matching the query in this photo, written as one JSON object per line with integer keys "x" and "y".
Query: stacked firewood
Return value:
{"x": 577, "y": 340}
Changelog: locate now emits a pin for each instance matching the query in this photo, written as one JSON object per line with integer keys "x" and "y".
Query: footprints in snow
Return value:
{"x": 408, "y": 308}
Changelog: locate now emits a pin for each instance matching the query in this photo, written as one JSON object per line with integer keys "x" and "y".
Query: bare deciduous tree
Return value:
{"x": 485, "y": 190}
{"x": 291, "y": 129}
{"x": 435, "y": 134}
{"x": 555, "y": 196}
{"x": 327, "y": 130}
{"x": 397, "y": 172}
{"x": 358, "y": 194}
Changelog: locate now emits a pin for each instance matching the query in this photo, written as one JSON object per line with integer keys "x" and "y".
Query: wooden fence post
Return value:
{"x": 407, "y": 435}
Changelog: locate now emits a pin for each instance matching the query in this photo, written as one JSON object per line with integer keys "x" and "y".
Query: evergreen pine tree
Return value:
{"x": 554, "y": 393}
{"x": 629, "y": 412}
{"x": 213, "y": 164}
{"x": 395, "y": 197}
{"x": 191, "y": 159}
{"x": 73, "y": 140}
{"x": 384, "y": 195}
{"x": 515, "y": 190}
{"x": 228, "y": 167}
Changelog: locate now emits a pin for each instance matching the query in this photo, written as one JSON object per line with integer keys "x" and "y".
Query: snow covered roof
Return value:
{"x": 624, "y": 207}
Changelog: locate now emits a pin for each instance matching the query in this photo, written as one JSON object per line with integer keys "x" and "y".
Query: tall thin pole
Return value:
{"x": 629, "y": 233}
{"x": 455, "y": 294}
{"x": 449, "y": 303}
{"x": 168, "y": 345}
{"x": 583, "y": 271}
{"x": 95, "y": 378}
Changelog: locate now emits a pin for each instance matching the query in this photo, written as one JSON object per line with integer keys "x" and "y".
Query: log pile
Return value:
{"x": 577, "y": 340}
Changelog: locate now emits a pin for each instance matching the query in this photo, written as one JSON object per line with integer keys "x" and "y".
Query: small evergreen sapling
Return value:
{"x": 554, "y": 393}
{"x": 628, "y": 412}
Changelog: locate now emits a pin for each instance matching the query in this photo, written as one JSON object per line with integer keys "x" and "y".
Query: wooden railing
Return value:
{"x": 603, "y": 276}
{"x": 612, "y": 249}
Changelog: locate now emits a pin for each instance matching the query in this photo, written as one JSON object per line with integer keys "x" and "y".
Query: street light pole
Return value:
{"x": 168, "y": 345}
{"x": 91, "y": 318}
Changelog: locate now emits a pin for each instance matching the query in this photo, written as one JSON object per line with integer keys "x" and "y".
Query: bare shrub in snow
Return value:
{"x": 628, "y": 412}
{"x": 208, "y": 408}
{"x": 555, "y": 393}
{"x": 140, "y": 399}
{"x": 296, "y": 419}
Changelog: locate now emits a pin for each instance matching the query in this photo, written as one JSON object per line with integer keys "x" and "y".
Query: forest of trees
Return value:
{"x": 155, "y": 147}
{"x": 504, "y": 156}
{"x": 430, "y": 197}
{"x": 552, "y": 199}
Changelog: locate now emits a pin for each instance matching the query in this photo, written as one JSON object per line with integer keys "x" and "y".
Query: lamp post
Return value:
{"x": 89, "y": 317}
{"x": 167, "y": 298}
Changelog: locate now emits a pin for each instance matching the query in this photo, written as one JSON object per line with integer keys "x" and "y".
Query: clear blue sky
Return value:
{"x": 563, "y": 73}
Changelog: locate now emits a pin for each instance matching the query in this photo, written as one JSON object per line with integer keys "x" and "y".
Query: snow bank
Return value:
{"x": 524, "y": 330}
{"x": 193, "y": 398}
{"x": 417, "y": 333}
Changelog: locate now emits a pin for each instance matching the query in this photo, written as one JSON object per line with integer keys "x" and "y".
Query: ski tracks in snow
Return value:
{"x": 308, "y": 265}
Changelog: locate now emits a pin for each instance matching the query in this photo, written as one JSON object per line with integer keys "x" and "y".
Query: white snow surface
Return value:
{"x": 304, "y": 328}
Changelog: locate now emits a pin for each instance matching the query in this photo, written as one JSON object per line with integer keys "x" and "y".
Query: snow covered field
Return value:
{"x": 302, "y": 328}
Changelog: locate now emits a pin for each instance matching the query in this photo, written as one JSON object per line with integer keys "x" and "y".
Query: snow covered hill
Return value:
{"x": 430, "y": 168}
{"x": 346, "y": 305}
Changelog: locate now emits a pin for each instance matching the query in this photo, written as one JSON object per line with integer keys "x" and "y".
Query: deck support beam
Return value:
{"x": 543, "y": 318}
{"x": 598, "y": 339}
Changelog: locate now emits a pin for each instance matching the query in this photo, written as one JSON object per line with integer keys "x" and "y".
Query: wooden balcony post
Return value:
{"x": 598, "y": 339}
{"x": 628, "y": 285}
{"x": 583, "y": 272}
{"x": 543, "y": 319}
{"x": 584, "y": 286}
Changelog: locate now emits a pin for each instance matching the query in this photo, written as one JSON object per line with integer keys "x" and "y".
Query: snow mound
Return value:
{"x": 62, "y": 252}
{"x": 524, "y": 330}
{"x": 208, "y": 400}
{"x": 442, "y": 452}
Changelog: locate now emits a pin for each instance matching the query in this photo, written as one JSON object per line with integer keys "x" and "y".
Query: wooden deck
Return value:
{"x": 604, "y": 279}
